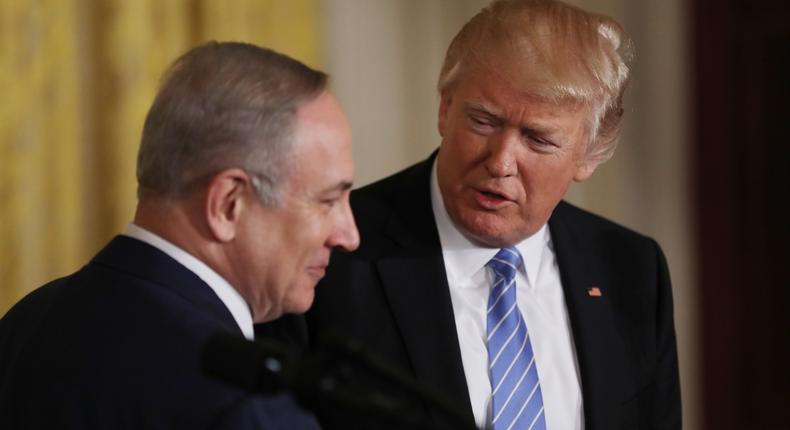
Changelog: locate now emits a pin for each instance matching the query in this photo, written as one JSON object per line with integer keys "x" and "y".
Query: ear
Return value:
{"x": 584, "y": 170}
{"x": 444, "y": 108}
{"x": 226, "y": 197}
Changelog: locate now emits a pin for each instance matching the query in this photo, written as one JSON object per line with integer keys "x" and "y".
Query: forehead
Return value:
{"x": 498, "y": 94}
{"x": 323, "y": 112}
{"x": 321, "y": 152}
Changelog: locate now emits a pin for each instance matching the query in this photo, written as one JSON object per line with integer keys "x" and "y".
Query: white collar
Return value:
{"x": 229, "y": 296}
{"x": 467, "y": 258}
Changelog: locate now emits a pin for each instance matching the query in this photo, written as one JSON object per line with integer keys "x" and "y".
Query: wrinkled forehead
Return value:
{"x": 505, "y": 92}
{"x": 487, "y": 91}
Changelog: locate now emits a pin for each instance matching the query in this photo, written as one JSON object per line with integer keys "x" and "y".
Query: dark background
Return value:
{"x": 742, "y": 121}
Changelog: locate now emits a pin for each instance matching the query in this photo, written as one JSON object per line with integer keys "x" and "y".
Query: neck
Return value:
{"x": 174, "y": 221}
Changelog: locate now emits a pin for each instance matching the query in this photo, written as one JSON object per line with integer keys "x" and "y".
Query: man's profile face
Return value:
{"x": 290, "y": 243}
{"x": 506, "y": 157}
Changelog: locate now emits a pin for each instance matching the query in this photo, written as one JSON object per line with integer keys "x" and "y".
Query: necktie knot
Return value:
{"x": 506, "y": 262}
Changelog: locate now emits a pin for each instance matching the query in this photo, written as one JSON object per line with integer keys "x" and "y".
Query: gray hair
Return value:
{"x": 220, "y": 106}
{"x": 557, "y": 52}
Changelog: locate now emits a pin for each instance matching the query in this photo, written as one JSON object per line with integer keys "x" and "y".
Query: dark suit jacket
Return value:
{"x": 117, "y": 345}
{"x": 392, "y": 295}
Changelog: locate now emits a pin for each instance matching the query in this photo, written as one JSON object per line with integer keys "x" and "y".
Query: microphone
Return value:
{"x": 269, "y": 367}
{"x": 320, "y": 378}
{"x": 260, "y": 366}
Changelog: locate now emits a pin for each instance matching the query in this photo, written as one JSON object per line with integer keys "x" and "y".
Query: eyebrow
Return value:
{"x": 482, "y": 108}
{"x": 340, "y": 186}
{"x": 540, "y": 129}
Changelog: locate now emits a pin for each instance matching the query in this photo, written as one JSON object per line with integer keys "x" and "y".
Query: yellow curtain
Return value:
{"x": 77, "y": 77}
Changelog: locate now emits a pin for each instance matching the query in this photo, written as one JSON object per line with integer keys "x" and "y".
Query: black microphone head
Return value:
{"x": 257, "y": 366}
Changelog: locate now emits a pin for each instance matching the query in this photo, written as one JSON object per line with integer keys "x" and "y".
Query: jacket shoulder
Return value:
{"x": 33, "y": 305}
{"x": 399, "y": 188}
{"x": 396, "y": 208}
{"x": 592, "y": 227}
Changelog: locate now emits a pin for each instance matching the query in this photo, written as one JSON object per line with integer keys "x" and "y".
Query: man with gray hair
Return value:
{"x": 473, "y": 274}
{"x": 244, "y": 172}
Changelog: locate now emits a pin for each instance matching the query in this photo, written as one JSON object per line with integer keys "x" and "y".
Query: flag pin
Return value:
{"x": 594, "y": 292}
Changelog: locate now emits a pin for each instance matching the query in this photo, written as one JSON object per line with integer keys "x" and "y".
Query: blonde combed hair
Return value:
{"x": 554, "y": 51}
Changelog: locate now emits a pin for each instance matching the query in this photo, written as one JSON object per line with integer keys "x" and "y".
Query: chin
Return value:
{"x": 491, "y": 241}
{"x": 301, "y": 302}
{"x": 494, "y": 230}
{"x": 485, "y": 230}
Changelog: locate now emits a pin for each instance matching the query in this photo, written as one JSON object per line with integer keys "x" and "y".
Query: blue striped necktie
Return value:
{"x": 517, "y": 402}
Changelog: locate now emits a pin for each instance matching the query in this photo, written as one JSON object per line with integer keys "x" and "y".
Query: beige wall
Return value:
{"x": 385, "y": 55}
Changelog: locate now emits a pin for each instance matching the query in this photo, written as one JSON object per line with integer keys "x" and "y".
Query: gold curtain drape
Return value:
{"x": 76, "y": 79}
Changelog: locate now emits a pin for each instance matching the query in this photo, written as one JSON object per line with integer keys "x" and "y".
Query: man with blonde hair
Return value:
{"x": 475, "y": 276}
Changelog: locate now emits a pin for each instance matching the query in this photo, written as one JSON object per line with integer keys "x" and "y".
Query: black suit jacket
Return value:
{"x": 392, "y": 295}
{"x": 118, "y": 345}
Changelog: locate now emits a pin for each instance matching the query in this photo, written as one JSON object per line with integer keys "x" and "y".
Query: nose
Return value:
{"x": 345, "y": 234}
{"x": 501, "y": 159}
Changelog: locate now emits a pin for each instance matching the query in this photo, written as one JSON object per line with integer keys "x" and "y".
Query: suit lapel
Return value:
{"x": 415, "y": 284}
{"x": 599, "y": 348}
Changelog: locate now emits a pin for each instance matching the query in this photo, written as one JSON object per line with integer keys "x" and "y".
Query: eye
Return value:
{"x": 330, "y": 201}
{"x": 537, "y": 142}
{"x": 335, "y": 199}
{"x": 481, "y": 123}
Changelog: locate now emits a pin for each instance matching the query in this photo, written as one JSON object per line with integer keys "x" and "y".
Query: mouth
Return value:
{"x": 492, "y": 200}
{"x": 317, "y": 272}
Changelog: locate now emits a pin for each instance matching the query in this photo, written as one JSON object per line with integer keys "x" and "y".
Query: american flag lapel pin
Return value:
{"x": 594, "y": 292}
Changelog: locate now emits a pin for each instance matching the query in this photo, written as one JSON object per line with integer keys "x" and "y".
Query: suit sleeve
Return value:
{"x": 667, "y": 405}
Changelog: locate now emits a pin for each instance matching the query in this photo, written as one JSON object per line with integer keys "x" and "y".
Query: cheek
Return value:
{"x": 316, "y": 232}
{"x": 544, "y": 185}
{"x": 459, "y": 161}
{"x": 310, "y": 235}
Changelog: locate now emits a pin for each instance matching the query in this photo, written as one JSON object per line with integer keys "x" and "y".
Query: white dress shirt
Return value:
{"x": 229, "y": 296}
{"x": 541, "y": 301}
